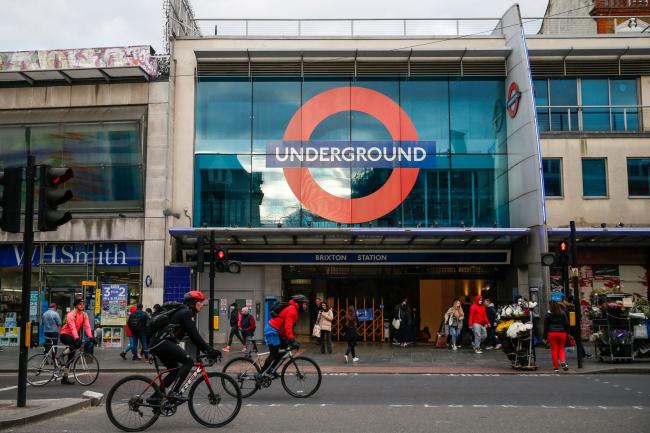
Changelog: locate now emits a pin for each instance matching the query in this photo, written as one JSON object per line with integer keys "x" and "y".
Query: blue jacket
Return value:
{"x": 51, "y": 321}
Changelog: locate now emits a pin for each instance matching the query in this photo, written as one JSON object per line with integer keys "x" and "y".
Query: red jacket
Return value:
{"x": 286, "y": 320}
{"x": 477, "y": 313}
{"x": 126, "y": 325}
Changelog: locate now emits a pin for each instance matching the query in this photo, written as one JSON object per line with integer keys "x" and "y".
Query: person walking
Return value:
{"x": 402, "y": 312}
{"x": 454, "y": 320}
{"x": 556, "y": 326}
{"x": 314, "y": 313}
{"x": 247, "y": 330}
{"x": 492, "y": 342}
{"x": 478, "y": 323}
{"x": 234, "y": 319}
{"x": 129, "y": 334}
{"x": 51, "y": 325}
{"x": 350, "y": 331}
{"x": 325, "y": 317}
{"x": 137, "y": 322}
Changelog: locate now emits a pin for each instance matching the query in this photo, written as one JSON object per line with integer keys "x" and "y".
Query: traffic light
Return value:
{"x": 11, "y": 198}
{"x": 51, "y": 196}
{"x": 563, "y": 253}
{"x": 200, "y": 254}
{"x": 223, "y": 264}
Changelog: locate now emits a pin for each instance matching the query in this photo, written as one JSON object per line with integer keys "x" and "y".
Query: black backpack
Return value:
{"x": 135, "y": 321}
{"x": 277, "y": 308}
{"x": 161, "y": 318}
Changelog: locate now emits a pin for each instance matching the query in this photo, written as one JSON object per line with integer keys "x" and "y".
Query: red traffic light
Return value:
{"x": 564, "y": 246}
{"x": 221, "y": 255}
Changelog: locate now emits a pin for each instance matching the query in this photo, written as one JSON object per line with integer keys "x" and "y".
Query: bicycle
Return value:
{"x": 298, "y": 370}
{"x": 42, "y": 368}
{"x": 137, "y": 398}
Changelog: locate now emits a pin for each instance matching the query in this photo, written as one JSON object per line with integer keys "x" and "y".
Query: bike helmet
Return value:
{"x": 193, "y": 296}
{"x": 299, "y": 298}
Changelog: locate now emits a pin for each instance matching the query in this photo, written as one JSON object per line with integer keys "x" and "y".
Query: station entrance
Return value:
{"x": 376, "y": 291}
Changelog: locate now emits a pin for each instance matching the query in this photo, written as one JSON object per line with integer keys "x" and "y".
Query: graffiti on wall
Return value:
{"x": 112, "y": 57}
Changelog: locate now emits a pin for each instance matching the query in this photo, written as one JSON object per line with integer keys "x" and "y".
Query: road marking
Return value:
{"x": 455, "y": 405}
{"x": 479, "y": 405}
{"x": 549, "y": 407}
{"x": 508, "y": 405}
{"x": 430, "y": 405}
{"x": 602, "y": 407}
{"x": 616, "y": 386}
{"x": 637, "y": 407}
{"x": 628, "y": 389}
{"x": 9, "y": 388}
{"x": 298, "y": 404}
{"x": 400, "y": 405}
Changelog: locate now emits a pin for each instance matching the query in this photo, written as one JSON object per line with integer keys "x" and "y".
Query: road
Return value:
{"x": 406, "y": 403}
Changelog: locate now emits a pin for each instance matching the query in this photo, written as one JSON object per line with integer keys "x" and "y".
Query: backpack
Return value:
{"x": 277, "y": 308}
{"x": 134, "y": 321}
{"x": 161, "y": 318}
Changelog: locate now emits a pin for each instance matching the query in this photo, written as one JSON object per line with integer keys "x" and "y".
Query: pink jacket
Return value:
{"x": 79, "y": 320}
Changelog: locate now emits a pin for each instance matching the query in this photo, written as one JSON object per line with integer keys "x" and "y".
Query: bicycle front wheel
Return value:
{"x": 215, "y": 402}
{"x": 133, "y": 403}
{"x": 40, "y": 369}
{"x": 85, "y": 369}
{"x": 301, "y": 377}
{"x": 244, "y": 371}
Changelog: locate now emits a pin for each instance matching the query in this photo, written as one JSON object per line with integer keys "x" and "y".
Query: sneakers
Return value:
{"x": 355, "y": 359}
{"x": 498, "y": 346}
{"x": 489, "y": 348}
{"x": 226, "y": 349}
{"x": 155, "y": 400}
{"x": 346, "y": 358}
{"x": 556, "y": 371}
{"x": 564, "y": 366}
{"x": 244, "y": 349}
{"x": 454, "y": 347}
{"x": 123, "y": 355}
{"x": 478, "y": 351}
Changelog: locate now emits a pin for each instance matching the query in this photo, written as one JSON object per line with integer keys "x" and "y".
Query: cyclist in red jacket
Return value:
{"x": 279, "y": 331}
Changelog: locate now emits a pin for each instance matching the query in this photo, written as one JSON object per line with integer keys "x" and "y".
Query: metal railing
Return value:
{"x": 593, "y": 118}
{"x": 380, "y": 27}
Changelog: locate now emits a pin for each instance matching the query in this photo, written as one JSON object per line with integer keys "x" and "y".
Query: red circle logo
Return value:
{"x": 351, "y": 210}
{"x": 514, "y": 96}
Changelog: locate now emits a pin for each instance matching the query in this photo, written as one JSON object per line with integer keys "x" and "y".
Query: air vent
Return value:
{"x": 328, "y": 68}
{"x": 578, "y": 68}
{"x": 365, "y": 69}
{"x": 273, "y": 69}
{"x": 487, "y": 68}
{"x": 547, "y": 68}
{"x": 223, "y": 69}
{"x": 636, "y": 67}
{"x": 435, "y": 68}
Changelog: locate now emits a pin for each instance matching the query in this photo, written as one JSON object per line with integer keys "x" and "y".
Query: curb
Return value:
{"x": 46, "y": 413}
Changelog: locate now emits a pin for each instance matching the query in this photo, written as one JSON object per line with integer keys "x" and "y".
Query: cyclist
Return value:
{"x": 71, "y": 335}
{"x": 165, "y": 346}
{"x": 279, "y": 332}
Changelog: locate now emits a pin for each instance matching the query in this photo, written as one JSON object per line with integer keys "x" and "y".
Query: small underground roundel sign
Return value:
{"x": 514, "y": 96}
{"x": 405, "y": 153}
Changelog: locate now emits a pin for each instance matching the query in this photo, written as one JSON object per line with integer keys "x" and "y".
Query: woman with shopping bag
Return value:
{"x": 324, "y": 322}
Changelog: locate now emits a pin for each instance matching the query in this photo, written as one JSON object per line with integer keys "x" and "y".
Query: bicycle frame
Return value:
{"x": 200, "y": 370}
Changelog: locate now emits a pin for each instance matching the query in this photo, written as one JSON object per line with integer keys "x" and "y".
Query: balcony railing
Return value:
{"x": 593, "y": 118}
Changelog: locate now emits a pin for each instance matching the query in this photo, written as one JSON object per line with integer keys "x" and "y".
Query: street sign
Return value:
{"x": 86, "y": 283}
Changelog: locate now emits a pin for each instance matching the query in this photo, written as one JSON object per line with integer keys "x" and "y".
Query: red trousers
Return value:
{"x": 557, "y": 340}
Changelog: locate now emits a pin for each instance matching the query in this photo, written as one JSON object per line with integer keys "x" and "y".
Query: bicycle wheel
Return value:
{"x": 40, "y": 370}
{"x": 85, "y": 369}
{"x": 127, "y": 406}
{"x": 215, "y": 403}
{"x": 244, "y": 371}
{"x": 301, "y": 377}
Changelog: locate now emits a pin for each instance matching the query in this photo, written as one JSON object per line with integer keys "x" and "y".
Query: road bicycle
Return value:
{"x": 135, "y": 402}
{"x": 300, "y": 376}
{"x": 42, "y": 368}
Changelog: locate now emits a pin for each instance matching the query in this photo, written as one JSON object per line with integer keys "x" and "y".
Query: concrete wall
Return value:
{"x": 591, "y": 212}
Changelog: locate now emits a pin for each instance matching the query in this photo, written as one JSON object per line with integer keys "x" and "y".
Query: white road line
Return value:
{"x": 430, "y": 405}
{"x": 9, "y": 388}
{"x": 400, "y": 405}
{"x": 479, "y": 405}
{"x": 616, "y": 386}
{"x": 628, "y": 389}
{"x": 637, "y": 407}
{"x": 455, "y": 405}
{"x": 602, "y": 407}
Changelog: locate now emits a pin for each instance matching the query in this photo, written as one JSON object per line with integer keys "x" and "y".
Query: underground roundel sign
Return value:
{"x": 405, "y": 154}
{"x": 512, "y": 103}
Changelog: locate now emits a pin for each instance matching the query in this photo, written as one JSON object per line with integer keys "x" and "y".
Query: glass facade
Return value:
{"x": 552, "y": 169}
{"x": 107, "y": 159}
{"x": 594, "y": 177}
{"x": 237, "y": 119}
{"x": 638, "y": 177}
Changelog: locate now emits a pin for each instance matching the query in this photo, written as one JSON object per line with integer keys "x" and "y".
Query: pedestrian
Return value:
{"x": 247, "y": 330}
{"x": 402, "y": 312}
{"x": 492, "y": 342}
{"x": 478, "y": 322}
{"x": 129, "y": 334}
{"x": 556, "y": 326}
{"x": 325, "y": 318}
{"x": 234, "y": 319}
{"x": 454, "y": 320}
{"x": 314, "y": 316}
{"x": 465, "y": 331}
{"x": 137, "y": 322}
{"x": 350, "y": 325}
{"x": 51, "y": 325}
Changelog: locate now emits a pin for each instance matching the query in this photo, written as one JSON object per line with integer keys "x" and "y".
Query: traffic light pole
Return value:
{"x": 211, "y": 297}
{"x": 576, "y": 293}
{"x": 28, "y": 245}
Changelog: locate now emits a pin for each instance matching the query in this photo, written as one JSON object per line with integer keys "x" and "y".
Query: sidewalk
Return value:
{"x": 38, "y": 410}
{"x": 380, "y": 358}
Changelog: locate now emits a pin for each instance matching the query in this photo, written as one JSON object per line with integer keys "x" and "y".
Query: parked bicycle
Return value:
{"x": 135, "y": 403}
{"x": 300, "y": 376}
{"x": 42, "y": 368}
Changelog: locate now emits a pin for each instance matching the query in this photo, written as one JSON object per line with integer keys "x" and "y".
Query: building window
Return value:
{"x": 638, "y": 177}
{"x": 594, "y": 177}
{"x": 552, "y": 177}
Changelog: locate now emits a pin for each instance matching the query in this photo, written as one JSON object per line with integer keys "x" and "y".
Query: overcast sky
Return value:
{"x": 53, "y": 24}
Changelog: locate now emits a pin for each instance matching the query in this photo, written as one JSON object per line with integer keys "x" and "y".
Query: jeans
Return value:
{"x": 248, "y": 343}
{"x": 133, "y": 343}
{"x": 480, "y": 334}
{"x": 453, "y": 330}
{"x": 234, "y": 332}
{"x": 492, "y": 339}
{"x": 325, "y": 341}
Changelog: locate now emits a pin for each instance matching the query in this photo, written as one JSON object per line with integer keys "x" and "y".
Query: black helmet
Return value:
{"x": 299, "y": 299}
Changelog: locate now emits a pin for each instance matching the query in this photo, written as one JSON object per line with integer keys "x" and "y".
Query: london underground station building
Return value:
{"x": 367, "y": 169}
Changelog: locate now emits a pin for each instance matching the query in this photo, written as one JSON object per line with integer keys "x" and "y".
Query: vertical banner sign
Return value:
{"x": 33, "y": 306}
{"x": 98, "y": 299}
{"x": 114, "y": 303}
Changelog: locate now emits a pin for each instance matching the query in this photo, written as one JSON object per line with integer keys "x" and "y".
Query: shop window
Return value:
{"x": 552, "y": 168}
{"x": 638, "y": 177}
{"x": 594, "y": 177}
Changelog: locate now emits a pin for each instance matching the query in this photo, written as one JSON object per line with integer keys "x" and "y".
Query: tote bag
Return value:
{"x": 316, "y": 331}
{"x": 398, "y": 320}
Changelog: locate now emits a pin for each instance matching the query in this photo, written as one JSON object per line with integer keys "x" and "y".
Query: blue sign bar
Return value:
{"x": 105, "y": 254}
{"x": 495, "y": 257}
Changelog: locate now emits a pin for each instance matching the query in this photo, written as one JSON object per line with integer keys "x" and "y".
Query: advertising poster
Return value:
{"x": 114, "y": 301}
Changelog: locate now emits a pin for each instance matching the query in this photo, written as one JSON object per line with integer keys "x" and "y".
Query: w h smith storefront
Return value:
{"x": 383, "y": 176}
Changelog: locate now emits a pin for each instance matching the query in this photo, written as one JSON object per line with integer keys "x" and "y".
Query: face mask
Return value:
{"x": 480, "y": 302}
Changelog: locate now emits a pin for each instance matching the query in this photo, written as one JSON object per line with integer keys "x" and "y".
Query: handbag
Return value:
{"x": 641, "y": 331}
{"x": 316, "y": 331}
{"x": 398, "y": 320}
